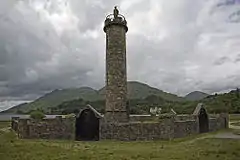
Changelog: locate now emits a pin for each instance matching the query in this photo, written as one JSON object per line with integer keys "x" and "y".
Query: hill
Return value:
{"x": 136, "y": 90}
{"x": 196, "y": 95}
{"x": 227, "y": 102}
{"x": 217, "y": 103}
{"x": 55, "y": 98}
{"x": 137, "y": 106}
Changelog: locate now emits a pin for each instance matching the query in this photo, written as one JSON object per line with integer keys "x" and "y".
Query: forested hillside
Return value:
{"x": 48, "y": 102}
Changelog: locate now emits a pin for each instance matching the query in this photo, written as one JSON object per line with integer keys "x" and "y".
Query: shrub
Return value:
{"x": 37, "y": 115}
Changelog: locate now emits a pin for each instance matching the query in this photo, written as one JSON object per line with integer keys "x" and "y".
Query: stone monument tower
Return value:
{"x": 115, "y": 27}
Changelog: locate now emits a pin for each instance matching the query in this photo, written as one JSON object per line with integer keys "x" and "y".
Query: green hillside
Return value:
{"x": 136, "y": 90}
{"x": 217, "y": 103}
{"x": 229, "y": 102}
{"x": 139, "y": 103}
{"x": 55, "y": 98}
{"x": 137, "y": 106}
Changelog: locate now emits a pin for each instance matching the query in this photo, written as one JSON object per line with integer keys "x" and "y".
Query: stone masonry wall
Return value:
{"x": 167, "y": 128}
{"x": 141, "y": 118}
{"x": 186, "y": 117}
{"x": 138, "y": 131}
{"x": 212, "y": 124}
{"x": 57, "y": 128}
{"x": 185, "y": 128}
{"x": 116, "y": 73}
{"x": 217, "y": 122}
{"x": 14, "y": 123}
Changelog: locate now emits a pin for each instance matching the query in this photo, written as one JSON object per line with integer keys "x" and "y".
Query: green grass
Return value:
{"x": 190, "y": 148}
{"x": 4, "y": 124}
{"x": 236, "y": 131}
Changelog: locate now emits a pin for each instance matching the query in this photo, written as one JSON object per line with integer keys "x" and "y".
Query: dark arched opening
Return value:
{"x": 203, "y": 121}
{"x": 87, "y": 126}
{"x": 225, "y": 123}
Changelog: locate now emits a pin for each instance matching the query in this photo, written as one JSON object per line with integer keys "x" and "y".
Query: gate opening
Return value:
{"x": 203, "y": 121}
{"x": 87, "y": 126}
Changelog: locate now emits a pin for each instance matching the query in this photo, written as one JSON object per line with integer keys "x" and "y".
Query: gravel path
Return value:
{"x": 221, "y": 135}
{"x": 227, "y": 135}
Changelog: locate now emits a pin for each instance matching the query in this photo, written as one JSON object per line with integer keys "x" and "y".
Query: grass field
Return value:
{"x": 191, "y": 148}
{"x": 4, "y": 124}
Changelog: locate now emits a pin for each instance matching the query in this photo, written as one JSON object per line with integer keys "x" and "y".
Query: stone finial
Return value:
{"x": 115, "y": 12}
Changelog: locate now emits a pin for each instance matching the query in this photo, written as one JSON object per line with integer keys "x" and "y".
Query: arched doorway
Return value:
{"x": 87, "y": 126}
{"x": 203, "y": 121}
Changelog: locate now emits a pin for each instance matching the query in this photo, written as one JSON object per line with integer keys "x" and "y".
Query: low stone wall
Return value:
{"x": 141, "y": 118}
{"x": 219, "y": 121}
{"x": 165, "y": 127}
{"x": 58, "y": 128}
{"x": 212, "y": 124}
{"x": 138, "y": 131}
{"x": 185, "y": 117}
{"x": 14, "y": 123}
{"x": 185, "y": 128}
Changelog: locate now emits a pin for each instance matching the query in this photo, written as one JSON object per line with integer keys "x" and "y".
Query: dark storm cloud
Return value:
{"x": 35, "y": 59}
{"x": 177, "y": 46}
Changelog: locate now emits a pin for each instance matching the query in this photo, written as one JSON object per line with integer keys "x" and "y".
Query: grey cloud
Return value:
{"x": 227, "y": 83}
{"x": 237, "y": 59}
{"x": 175, "y": 46}
{"x": 91, "y": 13}
{"x": 33, "y": 62}
{"x": 222, "y": 60}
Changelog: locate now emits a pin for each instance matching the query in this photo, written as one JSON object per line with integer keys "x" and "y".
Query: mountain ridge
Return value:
{"x": 196, "y": 95}
{"x": 136, "y": 90}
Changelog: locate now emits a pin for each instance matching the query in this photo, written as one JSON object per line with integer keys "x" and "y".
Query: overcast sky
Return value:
{"x": 176, "y": 46}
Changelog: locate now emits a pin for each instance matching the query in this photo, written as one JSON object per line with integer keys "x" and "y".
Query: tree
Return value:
{"x": 37, "y": 114}
{"x": 237, "y": 93}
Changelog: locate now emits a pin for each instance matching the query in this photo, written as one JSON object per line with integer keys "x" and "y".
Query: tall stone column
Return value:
{"x": 116, "y": 70}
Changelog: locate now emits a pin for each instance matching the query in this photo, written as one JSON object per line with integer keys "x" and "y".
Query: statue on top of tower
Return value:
{"x": 115, "y": 12}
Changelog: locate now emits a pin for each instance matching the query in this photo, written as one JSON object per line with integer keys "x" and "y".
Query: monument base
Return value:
{"x": 116, "y": 117}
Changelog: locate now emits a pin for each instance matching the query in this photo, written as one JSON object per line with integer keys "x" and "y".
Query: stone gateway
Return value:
{"x": 203, "y": 121}
{"x": 87, "y": 125}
